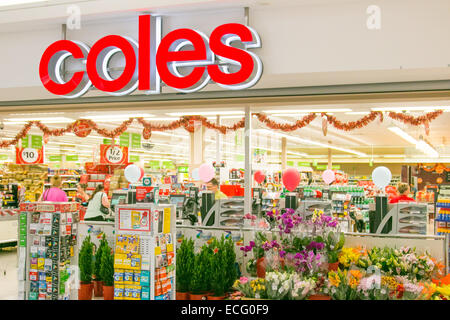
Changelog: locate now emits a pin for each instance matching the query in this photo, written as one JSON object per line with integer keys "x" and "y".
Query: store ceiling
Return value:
{"x": 374, "y": 141}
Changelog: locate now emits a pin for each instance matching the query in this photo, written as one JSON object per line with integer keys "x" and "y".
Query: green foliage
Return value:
{"x": 334, "y": 245}
{"x": 98, "y": 258}
{"x": 218, "y": 268}
{"x": 107, "y": 266}
{"x": 230, "y": 264}
{"x": 85, "y": 260}
{"x": 185, "y": 264}
{"x": 196, "y": 284}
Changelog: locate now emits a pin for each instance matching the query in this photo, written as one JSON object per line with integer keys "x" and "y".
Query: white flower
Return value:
{"x": 383, "y": 291}
{"x": 333, "y": 290}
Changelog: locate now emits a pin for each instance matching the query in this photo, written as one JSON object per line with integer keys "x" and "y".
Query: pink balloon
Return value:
{"x": 291, "y": 178}
{"x": 328, "y": 176}
{"x": 142, "y": 173}
{"x": 206, "y": 172}
{"x": 259, "y": 176}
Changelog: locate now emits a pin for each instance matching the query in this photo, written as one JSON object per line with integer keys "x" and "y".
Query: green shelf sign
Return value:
{"x": 290, "y": 163}
{"x": 134, "y": 158}
{"x": 72, "y": 157}
{"x": 3, "y": 156}
{"x": 303, "y": 164}
{"x": 168, "y": 165}
{"x": 107, "y": 141}
{"x": 183, "y": 169}
{"x": 55, "y": 158}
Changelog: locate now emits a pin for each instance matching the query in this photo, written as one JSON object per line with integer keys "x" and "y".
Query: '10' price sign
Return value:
{"x": 113, "y": 154}
{"x": 29, "y": 155}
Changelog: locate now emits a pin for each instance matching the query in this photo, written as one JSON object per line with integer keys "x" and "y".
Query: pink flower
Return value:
{"x": 243, "y": 280}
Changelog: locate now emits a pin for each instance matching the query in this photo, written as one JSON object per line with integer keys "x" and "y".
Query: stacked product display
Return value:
{"x": 144, "y": 258}
{"x": 31, "y": 177}
{"x": 47, "y": 236}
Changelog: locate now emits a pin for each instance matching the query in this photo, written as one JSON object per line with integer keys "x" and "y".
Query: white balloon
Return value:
{"x": 132, "y": 173}
{"x": 381, "y": 177}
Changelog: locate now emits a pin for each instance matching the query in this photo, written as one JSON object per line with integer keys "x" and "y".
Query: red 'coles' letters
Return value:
{"x": 144, "y": 58}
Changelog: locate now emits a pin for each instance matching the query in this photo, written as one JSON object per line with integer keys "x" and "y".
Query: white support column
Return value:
{"x": 283, "y": 153}
{"x": 248, "y": 161}
{"x": 218, "y": 155}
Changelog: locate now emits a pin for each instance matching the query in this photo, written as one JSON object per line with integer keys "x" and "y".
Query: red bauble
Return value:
{"x": 146, "y": 133}
{"x": 82, "y": 128}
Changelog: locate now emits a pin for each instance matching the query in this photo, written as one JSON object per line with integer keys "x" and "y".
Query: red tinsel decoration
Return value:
{"x": 351, "y": 125}
{"x": 88, "y": 125}
{"x": 415, "y": 121}
{"x": 284, "y": 126}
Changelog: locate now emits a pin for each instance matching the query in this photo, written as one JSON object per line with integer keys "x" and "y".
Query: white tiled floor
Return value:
{"x": 8, "y": 274}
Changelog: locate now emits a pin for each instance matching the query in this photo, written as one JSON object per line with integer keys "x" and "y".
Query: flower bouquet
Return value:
{"x": 301, "y": 288}
{"x": 343, "y": 284}
{"x": 278, "y": 285}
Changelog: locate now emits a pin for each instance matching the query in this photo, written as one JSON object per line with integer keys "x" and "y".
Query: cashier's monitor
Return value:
{"x": 177, "y": 199}
{"x": 118, "y": 197}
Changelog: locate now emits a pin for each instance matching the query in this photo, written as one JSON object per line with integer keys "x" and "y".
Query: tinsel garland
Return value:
{"x": 83, "y": 127}
{"x": 300, "y": 123}
{"x": 351, "y": 125}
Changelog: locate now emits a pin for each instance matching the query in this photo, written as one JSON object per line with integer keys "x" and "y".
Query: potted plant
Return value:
{"x": 196, "y": 284}
{"x": 258, "y": 253}
{"x": 218, "y": 271}
{"x": 107, "y": 272}
{"x": 85, "y": 263}
{"x": 185, "y": 264}
{"x": 334, "y": 242}
{"x": 231, "y": 272}
{"x": 98, "y": 285}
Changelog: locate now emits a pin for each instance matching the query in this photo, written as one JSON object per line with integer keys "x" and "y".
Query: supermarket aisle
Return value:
{"x": 8, "y": 281}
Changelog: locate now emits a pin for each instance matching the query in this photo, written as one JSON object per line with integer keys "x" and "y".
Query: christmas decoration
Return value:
{"x": 84, "y": 127}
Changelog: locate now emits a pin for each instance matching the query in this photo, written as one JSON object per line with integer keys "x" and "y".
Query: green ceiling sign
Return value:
{"x": 134, "y": 158}
{"x": 303, "y": 164}
{"x": 55, "y": 158}
{"x": 124, "y": 139}
{"x": 135, "y": 140}
{"x": 72, "y": 157}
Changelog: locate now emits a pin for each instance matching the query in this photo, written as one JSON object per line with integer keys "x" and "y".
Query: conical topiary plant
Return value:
{"x": 196, "y": 283}
{"x": 85, "y": 260}
{"x": 231, "y": 273}
{"x": 107, "y": 266}
{"x": 218, "y": 267}
{"x": 185, "y": 264}
{"x": 98, "y": 258}
{"x": 107, "y": 272}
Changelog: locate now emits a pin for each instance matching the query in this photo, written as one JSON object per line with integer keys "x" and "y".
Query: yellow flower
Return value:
{"x": 334, "y": 279}
{"x": 444, "y": 290}
{"x": 389, "y": 282}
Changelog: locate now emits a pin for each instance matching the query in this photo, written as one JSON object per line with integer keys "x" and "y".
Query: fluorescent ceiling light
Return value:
{"x": 117, "y": 117}
{"x": 427, "y": 149}
{"x": 45, "y": 120}
{"x": 420, "y": 145}
{"x": 399, "y": 109}
{"x": 204, "y": 113}
{"x": 5, "y": 3}
{"x": 296, "y": 111}
{"x": 226, "y": 117}
{"x": 306, "y": 141}
{"x": 402, "y": 134}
